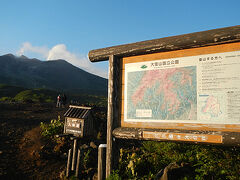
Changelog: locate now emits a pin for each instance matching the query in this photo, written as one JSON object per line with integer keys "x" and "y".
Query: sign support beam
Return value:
{"x": 113, "y": 111}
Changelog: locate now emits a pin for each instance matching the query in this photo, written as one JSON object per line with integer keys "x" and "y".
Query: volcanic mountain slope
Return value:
{"x": 55, "y": 74}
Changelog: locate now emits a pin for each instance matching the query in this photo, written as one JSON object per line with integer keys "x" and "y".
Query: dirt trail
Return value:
{"x": 20, "y": 142}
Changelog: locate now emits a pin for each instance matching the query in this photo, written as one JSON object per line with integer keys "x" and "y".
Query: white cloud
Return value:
{"x": 60, "y": 51}
{"x": 27, "y": 47}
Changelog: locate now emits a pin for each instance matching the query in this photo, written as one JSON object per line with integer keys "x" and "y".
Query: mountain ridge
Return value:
{"x": 57, "y": 75}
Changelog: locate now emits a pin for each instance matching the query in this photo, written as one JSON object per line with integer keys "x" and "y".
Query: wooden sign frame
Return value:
{"x": 174, "y": 55}
{"x": 195, "y": 44}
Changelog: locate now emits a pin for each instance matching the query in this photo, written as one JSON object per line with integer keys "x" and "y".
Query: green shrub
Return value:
{"x": 86, "y": 159}
{"x": 49, "y": 100}
{"x": 53, "y": 128}
{"x": 8, "y": 99}
{"x": 205, "y": 161}
{"x": 37, "y": 95}
{"x": 133, "y": 163}
{"x": 114, "y": 176}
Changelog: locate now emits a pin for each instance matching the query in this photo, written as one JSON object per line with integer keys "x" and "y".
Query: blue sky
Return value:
{"x": 69, "y": 29}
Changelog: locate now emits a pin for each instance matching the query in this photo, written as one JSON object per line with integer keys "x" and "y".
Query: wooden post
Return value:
{"x": 113, "y": 110}
{"x": 68, "y": 162}
{"x": 78, "y": 162}
{"x": 74, "y": 153}
{"x": 102, "y": 161}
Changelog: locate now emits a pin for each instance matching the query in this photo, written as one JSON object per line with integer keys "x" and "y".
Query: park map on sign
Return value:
{"x": 162, "y": 94}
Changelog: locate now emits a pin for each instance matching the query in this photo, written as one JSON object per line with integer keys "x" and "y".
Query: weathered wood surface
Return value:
{"x": 102, "y": 161}
{"x": 228, "y": 138}
{"x": 69, "y": 162}
{"x": 78, "y": 163}
{"x": 186, "y": 41}
{"x": 113, "y": 110}
{"x": 74, "y": 154}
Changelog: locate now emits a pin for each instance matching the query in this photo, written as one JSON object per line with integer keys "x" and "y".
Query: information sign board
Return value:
{"x": 180, "y": 88}
{"x": 73, "y": 126}
{"x": 193, "y": 89}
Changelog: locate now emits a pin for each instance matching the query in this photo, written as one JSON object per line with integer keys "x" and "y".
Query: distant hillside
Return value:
{"x": 10, "y": 93}
{"x": 57, "y": 75}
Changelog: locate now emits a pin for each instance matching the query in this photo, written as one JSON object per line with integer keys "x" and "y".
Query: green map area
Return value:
{"x": 162, "y": 94}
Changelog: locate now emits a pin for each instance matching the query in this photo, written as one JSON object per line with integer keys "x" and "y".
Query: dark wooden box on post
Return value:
{"x": 181, "y": 88}
{"x": 79, "y": 121}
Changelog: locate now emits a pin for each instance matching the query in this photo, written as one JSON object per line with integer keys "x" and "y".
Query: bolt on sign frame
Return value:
{"x": 180, "y": 88}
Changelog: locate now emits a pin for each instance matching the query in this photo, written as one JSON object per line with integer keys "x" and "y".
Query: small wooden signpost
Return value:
{"x": 78, "y": 124}
{"x": 78, "y": 121}
{"x": 182, "y": 88}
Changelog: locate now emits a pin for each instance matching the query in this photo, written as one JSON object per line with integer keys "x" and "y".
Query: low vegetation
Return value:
{"x": 19, "y": 94}
{"x": 49, "y": 130}
{"x": 10, "y": 91}
{"x": 36, "y": 95}
{"x": 198, "y": 162}
{"x": 143, "y": 161}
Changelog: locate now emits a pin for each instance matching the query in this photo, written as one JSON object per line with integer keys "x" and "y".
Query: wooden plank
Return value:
{"x": 101, "y": 161}
{"x": 189, "y": 137}
{"x": 80, "y": 107}
{"x": 69, "y": 162}
{"x": 174, "y": 54}
{"x": 113, "y": 119}
{"x": 186, "y": 41}
{"x": 74, "y": 154}
{"x": 78, "y": 163}
{"x": 207, "y": 137}
{"x": 183, "y": 126}
{"x": 183, "y": 53}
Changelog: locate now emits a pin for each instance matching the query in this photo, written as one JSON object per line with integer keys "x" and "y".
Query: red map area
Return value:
{"x": 166, "y": 86}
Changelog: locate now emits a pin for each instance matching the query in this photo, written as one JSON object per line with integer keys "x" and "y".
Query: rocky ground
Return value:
{"x": 24, "y": 154}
